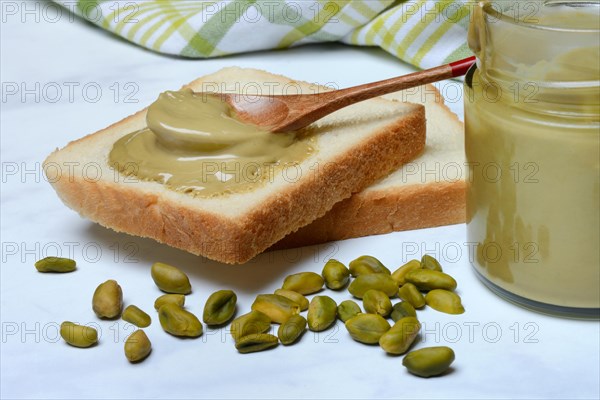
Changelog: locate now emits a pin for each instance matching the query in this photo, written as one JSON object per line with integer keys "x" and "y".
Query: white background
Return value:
{"x": 502, "y": 351}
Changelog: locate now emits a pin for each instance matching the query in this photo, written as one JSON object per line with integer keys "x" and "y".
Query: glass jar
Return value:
{"x": 532, "y": 129}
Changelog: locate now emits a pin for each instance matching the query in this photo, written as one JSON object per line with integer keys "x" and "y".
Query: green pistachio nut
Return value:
{"x": 367, "y": 265}
{"x": 400, "y": 336}
{"x": 400, "y": 274}
{"x": 107, "y": 301}
{"x": 292, "y": 329}
{"x": 304, "y": 283}
{"x": 170, "y": 279}
{"x": 403, "y": 309}
{"x": 409, "y": 293}
{"x": 179, "y": 322}
{"x": 429, "y": 262}
{"x": 78, "y": 335}
{"x": 383, "y": 282}
{"x": 430, "y": 361}
{"x": 295, "y": 297}
{"x": 278, "y": 308}
{"x": 178, "y": 299}
{"x": 377, "y": 302}
{"x": 56, "y": 264}
{"x": 136, "y": 316}
{"x": 137, "y": 346}
{"x": 427, "y": 279}
{"x": 248, "y": 324}
{"x": 256, "y": 342}
{"x": 322, "y": 313}
{"x": 336, "y": 274}
{"x": 444, "y": 301}
{"x": 348, "y": 309}
{"x": 367, "y": 328}
{"x": 219, "y": 307}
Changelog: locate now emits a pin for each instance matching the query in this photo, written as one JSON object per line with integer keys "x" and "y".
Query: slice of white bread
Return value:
{"x": 355, "y": 147}
{"x": 426, "y": 192}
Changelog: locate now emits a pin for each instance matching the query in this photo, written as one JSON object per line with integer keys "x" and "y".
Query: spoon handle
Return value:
{"x": 374, "y": 89}
{"x": 308, "y": 110}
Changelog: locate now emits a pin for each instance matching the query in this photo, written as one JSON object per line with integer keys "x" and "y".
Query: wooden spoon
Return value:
{"x": 283, "y": 113}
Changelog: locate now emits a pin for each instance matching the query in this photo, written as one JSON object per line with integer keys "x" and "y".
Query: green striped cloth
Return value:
{"x": 423, "y": 33}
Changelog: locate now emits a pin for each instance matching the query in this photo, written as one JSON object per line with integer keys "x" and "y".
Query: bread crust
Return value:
{"x": 124, "y": 208}
{"x": 375, "y": 213}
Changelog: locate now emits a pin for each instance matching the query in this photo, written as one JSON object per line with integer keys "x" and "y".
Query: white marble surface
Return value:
{"x": 502, "y": 351}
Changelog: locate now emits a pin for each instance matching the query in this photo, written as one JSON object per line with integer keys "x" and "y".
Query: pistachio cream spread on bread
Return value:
{"x": 194, "y": 144}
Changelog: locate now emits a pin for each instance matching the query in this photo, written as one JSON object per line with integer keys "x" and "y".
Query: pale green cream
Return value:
{"x": 532, "y": 132}
{"x": 194, "y": 144}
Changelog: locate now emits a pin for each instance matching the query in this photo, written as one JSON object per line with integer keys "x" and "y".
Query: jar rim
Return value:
{"x": 488, "y": 9}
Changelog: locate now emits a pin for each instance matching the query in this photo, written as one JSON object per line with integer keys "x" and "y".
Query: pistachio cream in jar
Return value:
{"x": 194, "y": 144}
{"x": 532, "y": 129}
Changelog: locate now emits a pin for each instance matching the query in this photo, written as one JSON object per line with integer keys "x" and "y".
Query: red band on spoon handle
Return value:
{"x": 460, "y": 67}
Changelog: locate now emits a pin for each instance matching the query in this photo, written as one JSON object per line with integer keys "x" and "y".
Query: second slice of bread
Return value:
{"x": 355, "y": 147}
{"x": 426, "y": 192}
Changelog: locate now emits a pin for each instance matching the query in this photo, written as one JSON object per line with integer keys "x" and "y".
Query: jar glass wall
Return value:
{"x": 532, "y": 141}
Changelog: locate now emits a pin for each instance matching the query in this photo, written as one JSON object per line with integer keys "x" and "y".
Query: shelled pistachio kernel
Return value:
{"x": 277, "y": 308}
{"x": 295, "y": 297}
{"x": 256, "y": 342}
{"x": 78, "y": 335}
{"x": 427, "y": 279}
{"x": 444, "y": 301}
{"x": 348, "y": 309}
{"x": 292, "y": 329}
{"x": 250, "y": 323}
{"x": 137, "y": 346}
{"x": 179, "y": 322}
{"x": 377, "y": 302}
{"x": 56, "y": 264}
{"x": 367, "y": 265}
{"x": 403, "y": 309}
{"x": 400, "y": 274}
{"x": 383, "y": 282}
{"x": 219, "y": 307}
{"x": 336, "y": 274}
{"x": 177, "y": 299}
{"x": 409, "y": 292}
{"x": 367, "y": 328}
{"x": 107, "y": 301}
{"x": 304, "y": 283}
{"x": 322, "y": 313}
{"x": 429, "y": 262}
{"x": 136, "y": 316}
{"x": 400, "y": 337}
{"x": 430, "y": 361}
{"x": 170, "y": 279}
